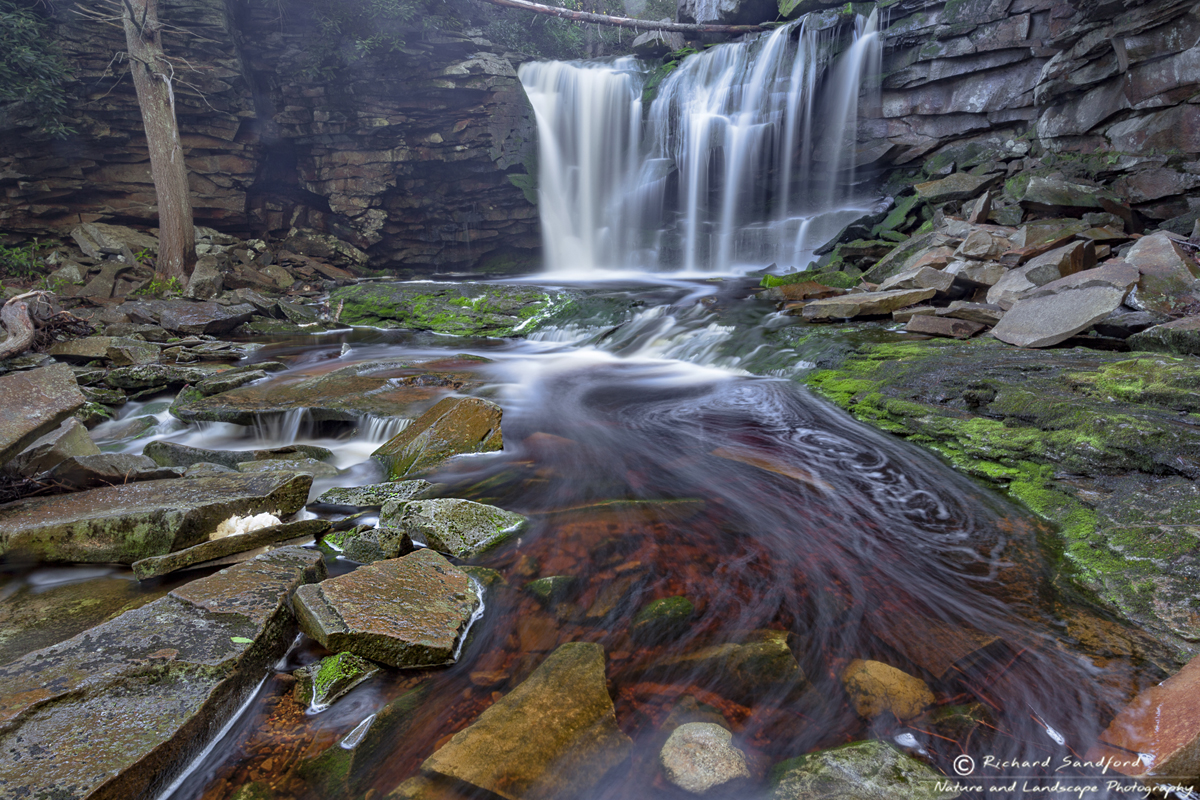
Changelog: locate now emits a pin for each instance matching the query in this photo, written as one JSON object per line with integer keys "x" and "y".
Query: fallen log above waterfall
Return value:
{"x": 628, "y": 22}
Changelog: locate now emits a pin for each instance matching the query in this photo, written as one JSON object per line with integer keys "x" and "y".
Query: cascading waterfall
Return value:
{"x": 745, "y": 156}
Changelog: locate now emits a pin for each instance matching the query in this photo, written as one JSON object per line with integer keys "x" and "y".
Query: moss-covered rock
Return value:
{"x": 462, "y": 309}
{"x": 870, "y": 770}
{"x": 321, "y": 683}
{"x": 1105, "y": 445}
{"x": 665, "y": 618}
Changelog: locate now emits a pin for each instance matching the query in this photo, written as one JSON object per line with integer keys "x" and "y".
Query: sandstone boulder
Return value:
{"x": 67, "y": 440}
{"x": 407, "y": 612}
{"x": 462, "y": 528}
{"x": 876, "y": 688}
{"x": 214, "y": 549}
{"x": 959, "y": 186}
{"x": 1049, "y": 319}
{"x": 123, "y": 524}
{"x": 453, "y": 426}
{"x": 184, "y": 317}
{"x": 553, "y": 736}
{"x": 375, "y": 495}
{"x": 1181, "y": 337}
{"x": 321, "y": 683}
{"x": 35, "y": 403}
{"x": 117, "y": 710}
{"x": 865, "y": 304}
{"x": 108, "y": 469}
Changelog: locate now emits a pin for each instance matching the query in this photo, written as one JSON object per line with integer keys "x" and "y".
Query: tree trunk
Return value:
{"x": 152, "y": 79}
{"x": 627, "y": 22}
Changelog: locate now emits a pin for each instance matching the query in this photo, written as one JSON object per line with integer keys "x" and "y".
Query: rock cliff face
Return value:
{"x": 409, "y": 161}
{"x": 419, "y": 162}
{"x": 1108, "y": 92}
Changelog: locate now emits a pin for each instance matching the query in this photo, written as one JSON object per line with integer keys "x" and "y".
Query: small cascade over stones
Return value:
{"x": 745, "y": 156}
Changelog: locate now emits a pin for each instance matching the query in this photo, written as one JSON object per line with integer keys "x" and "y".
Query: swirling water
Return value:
{"x": 653, "y": 466}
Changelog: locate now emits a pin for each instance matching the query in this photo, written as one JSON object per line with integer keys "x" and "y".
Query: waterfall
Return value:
{"x": 745, "y": 156}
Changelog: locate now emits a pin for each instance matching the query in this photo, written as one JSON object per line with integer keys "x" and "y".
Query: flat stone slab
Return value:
{"x": 462, "y": 528}
{"x": 959, "y": 186}
{"x": 381, "y": 389}
{"x": 406, "y": 612}
{"x": 227, "y": 546}
{"x": 213, "y": 319}
{"x": 109, "y": 469}
{"x": 1048, "y": 320}
{"x": 454, "y": 426}
{"x": 553, "y": 736}
{"x": 123, "y": 524}
{"x": 119, "y": 710}
{"x": 462, "y": 309}
{"x": 35, "y": 403}
{"x": 170, "y": 454}
{"x": 865, "y": 304}
{"x": 375, "y": 495}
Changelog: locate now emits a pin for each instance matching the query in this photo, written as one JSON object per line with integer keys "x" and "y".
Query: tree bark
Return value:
{"x": 152, "y": 79}
{"x": 626, "y": 22}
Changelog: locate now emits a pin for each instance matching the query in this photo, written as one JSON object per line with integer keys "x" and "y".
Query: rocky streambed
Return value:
{"x": 587, "y": 564}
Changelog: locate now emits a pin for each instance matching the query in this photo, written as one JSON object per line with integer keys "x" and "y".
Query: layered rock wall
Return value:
{"x": 1102, "y": 91}
{"x": 408, "y": 158}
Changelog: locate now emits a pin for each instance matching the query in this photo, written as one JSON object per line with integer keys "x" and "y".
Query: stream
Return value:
{"x": 653, "y": 463}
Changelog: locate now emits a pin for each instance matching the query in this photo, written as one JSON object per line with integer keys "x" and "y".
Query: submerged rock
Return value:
{"x": 699, "y": 757}
{"x": 462, "y": 309}
{"x": 35, "y": 403}
{"x": 454, "y": 426}
{"x": 553, "y": 736}
{"x": 407, "y": 612}
{"x": 123, "y": 524}
{"x": 746, "y": 672}
{"x": 116, "y": 711}
{"x": 462, "y": 528}
{"x": 876, "y": 688}
{"x": 1158, "y": 733}
{"x": 664, "y": 618}
{"x": 869, "y": 770}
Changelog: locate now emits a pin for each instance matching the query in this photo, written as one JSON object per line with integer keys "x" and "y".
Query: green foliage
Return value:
{"x": 543, "y": 36}
{"x": 20, "y": 261}
{"x": 32, "y": 70}
{"x": 160, "y": 287}
{"x": 353, "y": 30}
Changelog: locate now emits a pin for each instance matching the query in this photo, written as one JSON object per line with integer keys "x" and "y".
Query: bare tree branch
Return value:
{"x": 626, "y": 22}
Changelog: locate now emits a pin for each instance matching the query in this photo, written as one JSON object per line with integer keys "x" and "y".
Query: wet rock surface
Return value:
{"x": 213, "y": 549}
{"x": 869, "y": 770}
{"x": 554, "y": 735}
{"x": 407, "y": 612}
{"x": 699, "y": 757}
{"x": 35, "y": 403}
{"x": 119, "y": 710}
{"x": 123, "y": 524}
{"x": 451, "y": 427}
{"x": 461, "y": 528}
{"x": 462, "y": 309}
{"x": 1100, "y": 443}
{"x": 382, "y": 389}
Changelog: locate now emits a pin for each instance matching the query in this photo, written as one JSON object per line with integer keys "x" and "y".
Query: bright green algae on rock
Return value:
{"x": 1106, "y": 445}
{"x": 462, "y": 309}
